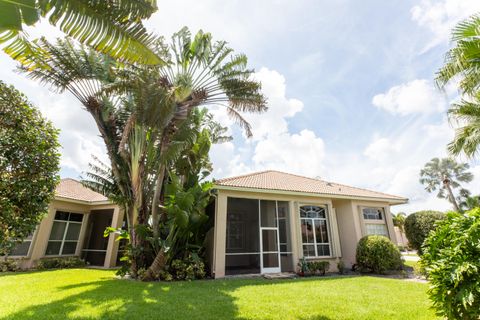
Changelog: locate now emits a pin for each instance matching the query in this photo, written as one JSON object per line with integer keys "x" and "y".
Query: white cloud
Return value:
{"x": 441, "y": 16}
{"x": 417, "y": 96}
{"x": 272, "y": 146}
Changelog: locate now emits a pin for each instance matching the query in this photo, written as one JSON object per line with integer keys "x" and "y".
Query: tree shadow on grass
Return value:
{"x": 109, "y": 298}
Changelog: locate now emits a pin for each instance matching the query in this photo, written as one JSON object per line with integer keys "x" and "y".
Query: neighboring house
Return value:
{"x": 264, "y": 222}
{"x": 74, "y": 226}
{"x": 401, "y": 237}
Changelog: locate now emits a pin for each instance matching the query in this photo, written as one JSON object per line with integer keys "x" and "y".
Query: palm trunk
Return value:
{"x": 157, "y": 265}
{"x": 446, "y": 183}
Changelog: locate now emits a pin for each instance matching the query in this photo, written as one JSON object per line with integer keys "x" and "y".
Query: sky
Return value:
{"x": 350, "y": 88}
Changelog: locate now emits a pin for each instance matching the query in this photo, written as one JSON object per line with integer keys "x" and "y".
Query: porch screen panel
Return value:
{"x": 243, "y": 239}
{"x": 284, "y": 225}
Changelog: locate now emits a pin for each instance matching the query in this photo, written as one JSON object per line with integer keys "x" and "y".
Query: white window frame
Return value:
{"x": 381, "y": 221}
{"x": 315, "y": 243}
{"x": 63, "y": 240}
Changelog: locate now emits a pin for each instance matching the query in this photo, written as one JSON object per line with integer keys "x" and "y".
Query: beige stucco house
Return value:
{"x": 266, "y": 221}
{"x": 263, "y": 222}
{"x": 74, "y": 226}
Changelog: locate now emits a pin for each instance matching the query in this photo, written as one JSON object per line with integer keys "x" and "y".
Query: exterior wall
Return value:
{"x": 294, "y": 203}
{"x": 346, "y": 225}
{"x": 42, "y": 233}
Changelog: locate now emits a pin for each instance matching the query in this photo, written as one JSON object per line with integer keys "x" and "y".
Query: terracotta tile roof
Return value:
{"x": 73, "y": 189}
{"x": 281, "y": 181}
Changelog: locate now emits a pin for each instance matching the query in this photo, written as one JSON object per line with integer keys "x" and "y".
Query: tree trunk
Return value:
{"x": 446, "y": 183}
{"x": 156, "y": 200}
{"x": 157, "y": 265}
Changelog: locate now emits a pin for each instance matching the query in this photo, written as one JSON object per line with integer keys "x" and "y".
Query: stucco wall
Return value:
{"x": 346, "y": 225}
{"x": 42, "y": 233}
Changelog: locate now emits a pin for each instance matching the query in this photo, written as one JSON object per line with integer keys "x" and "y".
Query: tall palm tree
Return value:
{"x": 466, "y": 114}
{"x": 462, "y": 62}
{"x": 140, "y": 110}
{"x": 113, "y": 27}
{"x": 445, "y": 175}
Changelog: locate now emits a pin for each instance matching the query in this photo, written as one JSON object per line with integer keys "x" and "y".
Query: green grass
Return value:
{"x": 96, "y": 294}
{"x": 411, "y": 263}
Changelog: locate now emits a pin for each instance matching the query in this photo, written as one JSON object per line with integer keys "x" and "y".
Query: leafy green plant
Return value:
{"x": 9, "y": 265}
{"x": 378, "y": 254}
{"x": 303, "y": 265}
{"x": 319, "y": 266}
{"x": 60, "y": 263}
{"x": 418, "y": 225}
{"x": 451, "y": 261}
{"x": 190, "y": 268}
{"x": 29, "y": 165}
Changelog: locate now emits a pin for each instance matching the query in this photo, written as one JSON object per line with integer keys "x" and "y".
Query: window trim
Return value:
{"x": 62, "y": 242}
{"x": 329, "y": 230}
{"x": 383, "y": 221}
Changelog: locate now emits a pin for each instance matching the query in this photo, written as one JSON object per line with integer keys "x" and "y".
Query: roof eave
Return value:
{"x": 392, "y": 201}
{"x": 85, "y": 202}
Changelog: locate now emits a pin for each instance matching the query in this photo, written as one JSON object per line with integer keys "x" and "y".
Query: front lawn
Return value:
{"x": 96, "y": 294}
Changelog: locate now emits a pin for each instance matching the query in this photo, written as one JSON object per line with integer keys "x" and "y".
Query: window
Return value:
{"x": 374, "y": 219}
{"x": 378, "y": 229}
{"x": 315, "y": 234}
{"x": 65, "y": 233}
{"x": 22, "y": 248}
{"x": 372, "y": 214}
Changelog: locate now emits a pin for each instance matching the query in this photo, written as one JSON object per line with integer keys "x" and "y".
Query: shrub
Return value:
{"x": 418, "y": 225}
{"x": 378, "y": 254}
{"x": 59, "y": 263}
{"x": 451, "y": 261}
{"x": 187, "y": 269}
{"x": 8, "y": 265}
{"x": 318, "y": 266}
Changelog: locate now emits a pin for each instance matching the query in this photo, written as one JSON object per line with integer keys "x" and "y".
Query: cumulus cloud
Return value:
{"x": 272, "y": 146}
{"x": 417, "y": 96}
{"x": 441, "y": 16}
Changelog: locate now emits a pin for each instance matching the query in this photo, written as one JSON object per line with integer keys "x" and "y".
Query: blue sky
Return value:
{"x": 349, "y": 83}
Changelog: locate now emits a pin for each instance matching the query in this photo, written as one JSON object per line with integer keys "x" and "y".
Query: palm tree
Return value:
{"x": 466, "y": 114}
{"x": 445, "y": 175}
{"x": 463, "y": 62}
{"x": 140, "y": 111}
{"x": 469, "y": 203}
{"x": 113, "y": 27}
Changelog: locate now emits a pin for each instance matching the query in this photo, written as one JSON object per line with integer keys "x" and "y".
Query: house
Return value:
{"x": 263, "y": 222}
{"x": 74, "y": 226}
{"x": 266, "y": 221}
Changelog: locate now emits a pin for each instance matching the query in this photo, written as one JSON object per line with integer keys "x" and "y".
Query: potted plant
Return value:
{"x": 302, "y": 267}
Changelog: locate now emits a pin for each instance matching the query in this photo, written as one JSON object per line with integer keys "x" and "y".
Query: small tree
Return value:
{"x": 451, "y": 261}
{"x": 445, "y": 175}
{"x": 418, "y": 225}
{"x": 29, "y": 163}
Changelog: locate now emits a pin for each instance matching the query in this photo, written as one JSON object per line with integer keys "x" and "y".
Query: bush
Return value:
{"x": 187, "y": 269}
{"x": 8, "y": 265}
{"x": 318, "y": 266}
{"x": 418, "y": 225}
{"x": 59, "y": 263}
{"x": 378, "y": 254}
{"x": 451, "y": 261}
